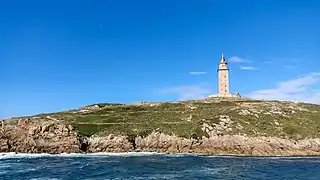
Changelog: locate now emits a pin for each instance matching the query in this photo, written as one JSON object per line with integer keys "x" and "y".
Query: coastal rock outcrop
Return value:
{"x": 40, "y": 136}
{"x": 110, "y": 143}
{"x": 228, "y": 144}
{"x": 54, "y": 136}
{"x": 159, "y": 142}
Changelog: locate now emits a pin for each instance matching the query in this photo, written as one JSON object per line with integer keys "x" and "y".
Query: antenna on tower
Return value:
{"x": 223, "y": 59}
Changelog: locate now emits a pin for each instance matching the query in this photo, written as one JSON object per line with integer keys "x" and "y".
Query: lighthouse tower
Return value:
{"x": 223, "y": 77}
{"x": 223, "y": 80}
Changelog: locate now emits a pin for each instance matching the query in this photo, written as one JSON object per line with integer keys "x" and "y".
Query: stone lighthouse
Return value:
{"x": 223, "y": 80}
{"x": 223, "y": 77}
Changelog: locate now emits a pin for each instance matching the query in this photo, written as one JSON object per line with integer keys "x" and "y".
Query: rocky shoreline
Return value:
{"x": 50, "y": 136}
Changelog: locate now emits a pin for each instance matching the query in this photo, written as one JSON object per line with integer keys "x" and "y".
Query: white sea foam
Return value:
{"x": 21, "y": 155}
{"x": 182, "y": 154}
{"x": 37, "y": 155}
{"x": 128, "y": 154}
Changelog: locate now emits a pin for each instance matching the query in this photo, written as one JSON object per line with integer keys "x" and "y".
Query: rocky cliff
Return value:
{"x": 31, "y": 136}
{"x": 233, "y": 127}
{"x": 40, "y": 136}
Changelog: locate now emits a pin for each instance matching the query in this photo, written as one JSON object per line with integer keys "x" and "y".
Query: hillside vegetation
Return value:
{"x": 195, "y": 119}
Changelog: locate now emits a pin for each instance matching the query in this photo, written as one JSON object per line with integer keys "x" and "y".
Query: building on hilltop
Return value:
{"x": 223, "y": 80}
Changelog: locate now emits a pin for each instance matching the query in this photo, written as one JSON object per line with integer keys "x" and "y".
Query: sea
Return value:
{"x": 146, "y": 166}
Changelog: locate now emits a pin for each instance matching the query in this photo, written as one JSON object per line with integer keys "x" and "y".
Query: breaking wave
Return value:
{"x": 39, "y": 155}
{"x": 151, "y": 165}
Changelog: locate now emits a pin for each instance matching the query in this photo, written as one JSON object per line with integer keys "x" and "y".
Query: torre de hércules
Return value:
{"x": 223, "y": 80}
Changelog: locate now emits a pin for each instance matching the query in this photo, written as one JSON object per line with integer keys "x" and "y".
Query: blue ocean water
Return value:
{"x": 155, "y": 166}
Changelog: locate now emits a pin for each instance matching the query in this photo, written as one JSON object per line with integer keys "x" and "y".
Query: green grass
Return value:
{"x": 185, "y": 119}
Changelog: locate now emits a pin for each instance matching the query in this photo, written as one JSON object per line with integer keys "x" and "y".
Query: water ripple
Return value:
{"x": 137, "y": 166}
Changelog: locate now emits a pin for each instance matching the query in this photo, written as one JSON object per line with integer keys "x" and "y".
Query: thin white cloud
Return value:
{"x": 248, "y": 68}
{"x": 197, "y": 73}
{"x": 188, "y": 92}
{"x": 236, "y": 59}
{"x": 302, "y": 89}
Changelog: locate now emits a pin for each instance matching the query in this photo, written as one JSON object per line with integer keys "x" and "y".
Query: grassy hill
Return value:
{"x": 197, "y": 118}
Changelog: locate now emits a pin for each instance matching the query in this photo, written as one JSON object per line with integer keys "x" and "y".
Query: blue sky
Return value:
{"x": 57, "y": 55}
